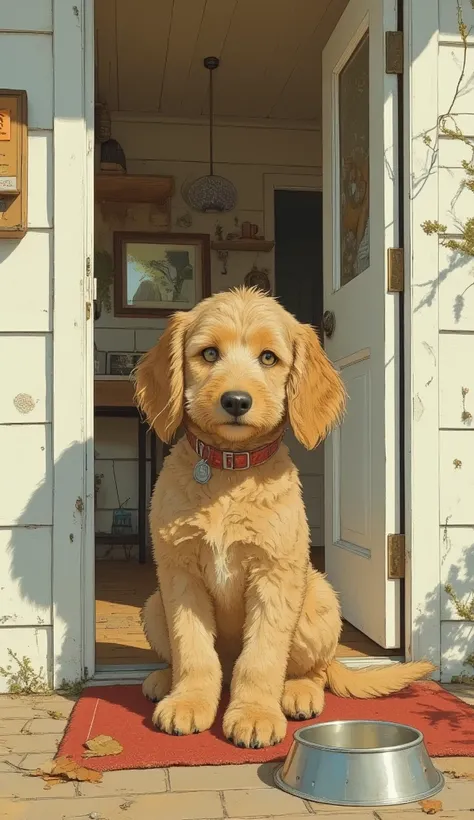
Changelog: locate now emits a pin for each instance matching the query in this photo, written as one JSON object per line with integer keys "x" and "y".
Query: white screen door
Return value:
{"x": 360, "y": 224}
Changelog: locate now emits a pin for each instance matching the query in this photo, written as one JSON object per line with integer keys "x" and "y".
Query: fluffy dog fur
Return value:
{"x": 237, "y": 598}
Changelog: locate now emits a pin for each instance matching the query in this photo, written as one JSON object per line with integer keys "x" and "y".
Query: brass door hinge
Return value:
{"x": 88, "y": 310}
{"x": 394, "y": 52}
{"x": 396, "y": 270}
{"x": 396, "y": 556}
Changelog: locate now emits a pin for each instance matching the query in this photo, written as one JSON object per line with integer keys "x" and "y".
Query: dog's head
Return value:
{"x": 236, "y": 367}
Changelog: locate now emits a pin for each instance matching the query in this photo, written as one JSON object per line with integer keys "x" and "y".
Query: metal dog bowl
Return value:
{"x": 359, "y": 763}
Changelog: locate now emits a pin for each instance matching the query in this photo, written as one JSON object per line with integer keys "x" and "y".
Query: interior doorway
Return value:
{"x": 151, "y": 142}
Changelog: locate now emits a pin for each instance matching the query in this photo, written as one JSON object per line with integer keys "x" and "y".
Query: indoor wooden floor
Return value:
{"x": 122, "y": 587}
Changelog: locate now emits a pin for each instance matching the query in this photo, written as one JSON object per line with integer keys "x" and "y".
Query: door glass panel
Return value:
{"x": 354, "y": 163}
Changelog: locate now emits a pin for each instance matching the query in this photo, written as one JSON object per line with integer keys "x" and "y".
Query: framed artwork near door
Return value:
{"x": 157, "y": 274}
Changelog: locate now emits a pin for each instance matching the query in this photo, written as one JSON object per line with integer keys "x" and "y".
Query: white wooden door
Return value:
{"x": 360, "y": 224}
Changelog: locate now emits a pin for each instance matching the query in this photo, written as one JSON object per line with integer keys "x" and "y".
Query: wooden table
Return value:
{"x": 114, "y": 398}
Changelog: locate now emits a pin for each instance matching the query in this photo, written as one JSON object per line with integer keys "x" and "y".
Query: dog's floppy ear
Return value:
{"x": 316, "y": 395}
{"x": 159, "y": 378}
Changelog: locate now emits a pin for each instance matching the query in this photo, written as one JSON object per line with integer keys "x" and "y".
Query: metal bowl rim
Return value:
{"x": 280, "y": 783}
{"x": 354, "y": 750}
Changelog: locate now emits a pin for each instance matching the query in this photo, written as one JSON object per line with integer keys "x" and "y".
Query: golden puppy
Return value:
{"x": 238, "y": 599}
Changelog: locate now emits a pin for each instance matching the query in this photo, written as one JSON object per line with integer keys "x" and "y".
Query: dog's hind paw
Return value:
{"x": 302, "y": 699}
{"x": 157, "y": 685}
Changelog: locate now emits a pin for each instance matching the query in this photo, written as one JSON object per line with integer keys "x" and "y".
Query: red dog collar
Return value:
{"x": 228, "y": 460}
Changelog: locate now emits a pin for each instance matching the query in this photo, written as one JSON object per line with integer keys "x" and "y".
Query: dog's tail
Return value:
{"x": 374, "y": 683}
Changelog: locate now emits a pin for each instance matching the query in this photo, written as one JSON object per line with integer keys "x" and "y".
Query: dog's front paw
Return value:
{"x": 302, "y": 699}
{"x": 184, "y": 714}
{"x": 254, "y": 726}
{"x": 157, "y": 685}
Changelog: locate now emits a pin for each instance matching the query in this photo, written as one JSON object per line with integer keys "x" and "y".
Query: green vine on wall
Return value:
{"x": 447, "y": 126}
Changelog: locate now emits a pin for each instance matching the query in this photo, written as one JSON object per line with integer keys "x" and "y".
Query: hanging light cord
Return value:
{"x": 211, "y": 121}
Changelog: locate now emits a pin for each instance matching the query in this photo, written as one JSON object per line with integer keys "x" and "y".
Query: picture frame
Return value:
{"x": 157, "y": 274}
{"x": 121, "y": 364}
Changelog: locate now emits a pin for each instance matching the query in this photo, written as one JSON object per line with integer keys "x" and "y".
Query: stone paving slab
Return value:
{"x": 11, "y": 726}
{"x": 202, "y": 778}
{"x": 459, "y": 765}
{"x": 265, "y": 802}
{"x": 22, "y": 743}
{"x": 45, "y": 726}
{"x": 138, "y": 781}
{"x": 16, "y": 785}
{"x": 150, "y": 807}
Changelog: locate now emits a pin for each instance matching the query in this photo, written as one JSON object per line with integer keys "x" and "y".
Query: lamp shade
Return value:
{"x": 211, "y": 194}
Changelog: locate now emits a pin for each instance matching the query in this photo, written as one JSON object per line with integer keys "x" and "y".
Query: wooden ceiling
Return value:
{"x": 149, "y": 56}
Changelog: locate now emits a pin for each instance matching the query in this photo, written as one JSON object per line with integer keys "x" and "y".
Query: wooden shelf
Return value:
{"x": 114, "y": 393}
{"x": 132, "y": 188}
{"x": 127, "y": 539}
{"x": 243, "y": 245}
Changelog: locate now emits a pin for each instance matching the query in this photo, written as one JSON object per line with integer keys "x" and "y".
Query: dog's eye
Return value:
{"x": 210, "y": 354}
{"x": 268, "y": 358}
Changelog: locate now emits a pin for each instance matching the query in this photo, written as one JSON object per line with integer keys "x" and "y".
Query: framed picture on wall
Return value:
{"x": 122, "y": 364}
{"x": 157, "y": 274}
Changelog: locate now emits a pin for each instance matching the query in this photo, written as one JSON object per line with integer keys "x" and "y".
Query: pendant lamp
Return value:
{"x": 211, "y": 193}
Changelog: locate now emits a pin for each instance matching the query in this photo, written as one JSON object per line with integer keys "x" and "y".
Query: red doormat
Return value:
{"x": 123, "y": 713}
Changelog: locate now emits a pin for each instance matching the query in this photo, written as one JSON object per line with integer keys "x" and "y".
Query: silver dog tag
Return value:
{"x": 202, "y": 472}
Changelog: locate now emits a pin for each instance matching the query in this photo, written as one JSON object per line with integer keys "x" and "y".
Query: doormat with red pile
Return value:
{"x": 121, "y": 712}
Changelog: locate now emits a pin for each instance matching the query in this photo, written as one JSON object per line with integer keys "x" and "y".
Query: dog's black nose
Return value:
{"x": 236, "y": 403}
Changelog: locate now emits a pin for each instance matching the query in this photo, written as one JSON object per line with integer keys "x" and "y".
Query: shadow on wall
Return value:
{"x": 39, "y": 579}
{"x": 46, "y": 585}
{"x": 439, "y": 613}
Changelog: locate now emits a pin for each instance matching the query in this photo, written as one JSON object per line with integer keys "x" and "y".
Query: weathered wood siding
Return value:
{"x": 42, "y": 343}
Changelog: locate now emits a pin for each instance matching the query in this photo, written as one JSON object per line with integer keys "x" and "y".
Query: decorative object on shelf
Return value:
{"x": 211, "y": 193}
{"x": 185, "y": 220}
{"x": 112, "y": 157}
{"x": 122, "y": 364}
{"x": 223, "y": 257}
{"x": 104, "y": 273}
{"x": 219, "y": 232}
{"x": 121, "y": 522}
{"x": 236, "y": 233}
{"x": 244, "y": 238}
{"x": 156, "y": 274}
{"x": 103, "y": 126}
{"x": 249, "y": 230}
{"x": 258, "y": 278}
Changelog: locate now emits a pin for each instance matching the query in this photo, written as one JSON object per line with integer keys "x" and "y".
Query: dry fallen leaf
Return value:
{"x": 431, "y": 806}
{"x": 51, "y": 781}
{"x": 57, "y": 715}
{"x": 64, "y": 769}
{"x": 460, "y": 775}
{"x": 102, "y": 746}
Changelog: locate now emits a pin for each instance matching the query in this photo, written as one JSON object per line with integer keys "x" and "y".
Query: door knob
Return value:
{"x": 329, "y": 323}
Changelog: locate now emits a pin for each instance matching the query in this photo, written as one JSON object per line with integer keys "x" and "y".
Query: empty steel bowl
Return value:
{"x": 359, "y": 763}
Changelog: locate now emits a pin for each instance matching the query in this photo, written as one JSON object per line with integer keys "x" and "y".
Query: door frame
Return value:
{"x": 285, "y": 182}
{"x": 88, "y": 563}
{"x": 421, "y": 341}
{"x": 421, "y": 440}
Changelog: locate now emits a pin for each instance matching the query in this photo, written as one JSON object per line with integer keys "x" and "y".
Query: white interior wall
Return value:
{"x": 245, "y": 154}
